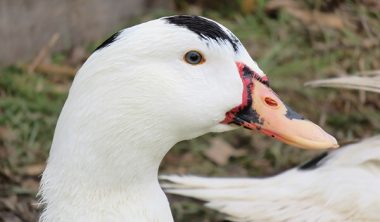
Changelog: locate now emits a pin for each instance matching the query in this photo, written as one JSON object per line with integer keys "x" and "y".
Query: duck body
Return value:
{"x": 342, "y": 185}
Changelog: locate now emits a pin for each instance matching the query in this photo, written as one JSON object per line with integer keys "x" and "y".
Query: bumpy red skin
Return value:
{"x": 247, "y": 88}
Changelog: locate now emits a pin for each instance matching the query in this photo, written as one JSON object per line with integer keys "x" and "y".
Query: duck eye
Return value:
{"x": 193, "y": 57}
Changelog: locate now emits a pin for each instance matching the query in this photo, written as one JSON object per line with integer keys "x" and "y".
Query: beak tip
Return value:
{"x": 334, "y": 142}
{"x": 328, "y": 141}
{"x": 335, "y": 145}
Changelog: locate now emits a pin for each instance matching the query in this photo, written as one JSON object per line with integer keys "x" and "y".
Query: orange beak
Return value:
{"x": 263, "y": 110}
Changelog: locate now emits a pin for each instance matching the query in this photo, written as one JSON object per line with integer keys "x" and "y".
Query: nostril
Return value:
{"x": 270, "y": 102}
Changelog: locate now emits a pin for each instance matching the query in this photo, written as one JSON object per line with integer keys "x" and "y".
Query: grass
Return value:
{"x": 288, "y": 50}
{"x": 29, "y": 106}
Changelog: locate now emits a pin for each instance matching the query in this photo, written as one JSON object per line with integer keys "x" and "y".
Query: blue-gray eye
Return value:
{"x": 194, "y": 57}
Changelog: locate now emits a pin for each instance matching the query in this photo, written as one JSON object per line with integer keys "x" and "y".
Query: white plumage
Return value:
{"x": 139, "y": 94}
{"x": 344, "y": 185}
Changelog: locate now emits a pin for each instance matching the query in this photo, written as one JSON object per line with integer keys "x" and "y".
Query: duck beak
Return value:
{"x": 263, "y": 110}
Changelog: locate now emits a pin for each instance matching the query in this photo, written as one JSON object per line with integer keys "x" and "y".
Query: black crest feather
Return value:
{"x": 315, "y": 162}
{"x": 204, "y": 28}
{"x": 108, "y": 41}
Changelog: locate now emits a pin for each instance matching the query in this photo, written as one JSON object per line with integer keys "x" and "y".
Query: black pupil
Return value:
{"x": 193, "y": 57}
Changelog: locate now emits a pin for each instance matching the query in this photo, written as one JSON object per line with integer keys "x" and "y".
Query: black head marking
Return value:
{"x": 248, "y": 115}
{"x": 108, "y": 41}
{"x": 315, "y": 162}
{"x": 291, "y": 114}
{"x": 205, "y": 29}
{"x": 247, "y": 72}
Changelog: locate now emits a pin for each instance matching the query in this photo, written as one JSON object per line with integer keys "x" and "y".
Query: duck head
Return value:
{"x": 195, "y": 76}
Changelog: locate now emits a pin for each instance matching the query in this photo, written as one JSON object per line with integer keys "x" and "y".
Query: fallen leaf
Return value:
{"x": 30, "y": 185}
{"x": 9, "y": 202}
{"x": 278, "y": 4}
{"x": 33, "y": 170}
{"x": 7, "y": 134}
{"x": 375, "y": 4}
{"x": 77, "y": 56}
{"x": 9, "y": 217}
{"x": 54, "y": 69}
{"x": 220, "y": 151}
{"x": 248, "y": 6}
{"x": 306, "y": 16}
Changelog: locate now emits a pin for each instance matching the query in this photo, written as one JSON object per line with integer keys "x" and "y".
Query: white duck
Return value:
{"x": 342, "y": 185}
{"x": 142, "y": 91}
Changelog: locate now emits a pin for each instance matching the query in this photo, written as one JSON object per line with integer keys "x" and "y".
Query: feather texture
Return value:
{"x": 371, "y": 82}
{"x": 344, "y": 187}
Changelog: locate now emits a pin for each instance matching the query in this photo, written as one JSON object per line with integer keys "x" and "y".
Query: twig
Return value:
{"x": 56, "y": 69}
{"x": 44, "y": 52}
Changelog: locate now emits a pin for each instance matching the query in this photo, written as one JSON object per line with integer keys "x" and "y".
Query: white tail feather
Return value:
{"x": 343, "y": 188}
{"x": 367, "y": 83}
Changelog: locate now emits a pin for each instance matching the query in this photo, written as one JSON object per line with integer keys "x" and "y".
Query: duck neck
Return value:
{"x": 105, "y": 170}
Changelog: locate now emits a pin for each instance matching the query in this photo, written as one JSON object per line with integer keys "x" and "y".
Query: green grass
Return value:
{"x": 29, "y": 107}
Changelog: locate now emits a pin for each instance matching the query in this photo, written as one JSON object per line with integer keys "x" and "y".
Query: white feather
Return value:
{"x": 345, "y": 187}
{"x": 368, "y": 83}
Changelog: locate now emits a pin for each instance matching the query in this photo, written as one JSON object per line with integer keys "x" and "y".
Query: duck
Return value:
{"x": 144, "y": 89}
{"x": 337, "y": 185}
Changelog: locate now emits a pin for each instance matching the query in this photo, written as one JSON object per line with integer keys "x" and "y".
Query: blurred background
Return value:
{"x": 44, "y": 42}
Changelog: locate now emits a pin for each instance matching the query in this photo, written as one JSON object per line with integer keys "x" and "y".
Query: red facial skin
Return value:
{"x": 261, "y": 109}
{"x": 247, "y": 86}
